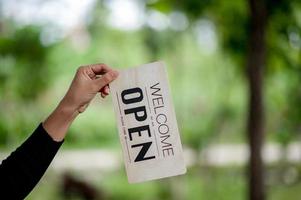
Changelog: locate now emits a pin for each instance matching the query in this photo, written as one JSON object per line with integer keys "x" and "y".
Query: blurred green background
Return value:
{"x": 207, "y": 48}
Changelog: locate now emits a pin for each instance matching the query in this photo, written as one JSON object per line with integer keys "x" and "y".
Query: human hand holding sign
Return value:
{"x": 88, "y": 81}
{"x": 86, "y": 84}
{"x": 152, "y": 138}
{"x": 22, "y": 170}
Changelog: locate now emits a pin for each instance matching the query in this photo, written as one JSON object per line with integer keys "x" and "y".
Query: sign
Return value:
{"x": 147, "y": 123}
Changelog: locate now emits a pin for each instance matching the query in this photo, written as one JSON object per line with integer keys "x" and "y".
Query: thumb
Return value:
{"x": 105, "y": 79}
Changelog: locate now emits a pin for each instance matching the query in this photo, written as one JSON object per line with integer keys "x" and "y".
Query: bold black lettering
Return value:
{"x": 138, "y": 130}
{"x": 136, "y": 111}
{"x": 143, "y": 151}
{"x": 133, "y": 95}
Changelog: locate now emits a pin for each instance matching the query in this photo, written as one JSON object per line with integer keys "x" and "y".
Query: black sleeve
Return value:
{"x": 22, "y": 170}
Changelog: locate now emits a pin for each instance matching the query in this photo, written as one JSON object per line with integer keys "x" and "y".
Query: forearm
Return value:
{"x": 22, "y": 170}
{"x": 59, "y": 121}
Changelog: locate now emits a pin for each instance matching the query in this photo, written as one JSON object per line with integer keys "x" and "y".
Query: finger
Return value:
{"x": 94, "y": 69}
{"x": 106, "y": 79}
{"x": 100, "y": 68}
{"x": 102, "y": 92}
{"x": 104, "y": 89}
{"x": 105, "y": 92}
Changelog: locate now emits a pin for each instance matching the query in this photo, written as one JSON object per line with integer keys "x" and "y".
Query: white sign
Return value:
{"x": 147, "y": 123}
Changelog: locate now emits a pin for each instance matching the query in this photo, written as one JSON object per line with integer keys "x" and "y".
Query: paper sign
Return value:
{"x": 147, "y": 123}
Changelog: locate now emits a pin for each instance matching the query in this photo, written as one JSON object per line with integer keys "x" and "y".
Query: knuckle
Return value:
{"x": 103, "y": 65}
{"x": 81, "y": 68}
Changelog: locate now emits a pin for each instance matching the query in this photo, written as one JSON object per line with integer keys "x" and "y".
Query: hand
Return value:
{"x": 87, "y": 82}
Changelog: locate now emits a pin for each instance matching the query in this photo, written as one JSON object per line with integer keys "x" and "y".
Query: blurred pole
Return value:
{"x": 255, "y": 62}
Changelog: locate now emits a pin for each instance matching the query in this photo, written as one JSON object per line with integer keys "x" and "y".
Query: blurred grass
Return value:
{"x": 199, "y": 183}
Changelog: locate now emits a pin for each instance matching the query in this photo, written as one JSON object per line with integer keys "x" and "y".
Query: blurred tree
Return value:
{"x": 23, "y": 75}
{"x": 242, "y": 26}
{"x": 23, "y": 62}
{"x": 255, "y": 62}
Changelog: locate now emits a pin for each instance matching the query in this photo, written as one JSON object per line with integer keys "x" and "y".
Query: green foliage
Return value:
{"x": 193, "y": 8}
{"x": 283, "y": 29}
{"x": 209, "y": 90}
{"x": 23, "y": 68}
